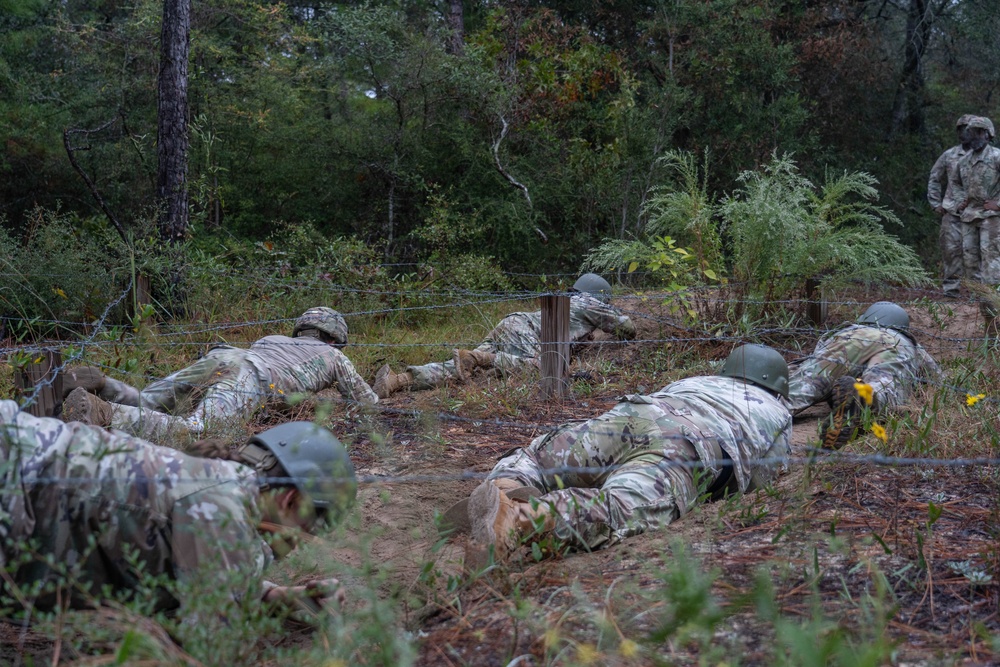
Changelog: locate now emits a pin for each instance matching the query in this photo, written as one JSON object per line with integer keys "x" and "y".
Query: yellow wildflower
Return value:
{"x": 865, "y": 391}
{"x": 879, "y": 432}
{"x": 628, "y": 648}
{"x": 271, "y": 385}
{"x": 59, "y": 292}
{"x": 971, "y": 400}
{"x": 587, "y": 653}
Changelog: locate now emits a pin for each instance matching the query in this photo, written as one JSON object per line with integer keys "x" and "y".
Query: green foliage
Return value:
{"x": 783, "y": 229}
{"x": 779, "y": 230}
{"x": 59, "y": 276}
{"x": 684, "y": 208}
{"x": 691, "y": 612}
{"x": 681, "y": 209}
{"x": 454, "y": 243}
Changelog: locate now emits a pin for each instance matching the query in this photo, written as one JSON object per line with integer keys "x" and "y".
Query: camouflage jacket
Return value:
{"x": 979, "y": 177}
{"x": 309, "y": 365}
{"x": 587, "y": 313}
{"x": 943, "y": 186}
{"x": 110, "y": 508}
{"x": 854, "y": 346}
{"x": 751, "y": 425}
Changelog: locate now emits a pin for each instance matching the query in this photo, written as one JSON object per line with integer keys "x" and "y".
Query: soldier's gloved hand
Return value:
{"x": 991, "y": 205}
{"x": 312, "y": 598}
{"x": 939, "y": 210}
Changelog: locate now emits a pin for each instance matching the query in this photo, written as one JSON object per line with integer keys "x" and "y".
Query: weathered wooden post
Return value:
{"x": 141, "y": 294}
{"x": 816, "y": 305}
{"x": 555, "y": 346}
{"x": 41, "y": 372}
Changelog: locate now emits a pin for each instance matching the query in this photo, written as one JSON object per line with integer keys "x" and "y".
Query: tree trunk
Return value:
{"x": 171, "y": 128}
{"x": 908, "y": 105}
{"x": 456, "y": 21}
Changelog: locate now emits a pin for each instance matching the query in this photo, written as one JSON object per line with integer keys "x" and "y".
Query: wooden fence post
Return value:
{"x": 555, "y": 346}
{"x": 816, "y": 305}
{"x": 140, "y": 294}
{"x": 42, "y": 372}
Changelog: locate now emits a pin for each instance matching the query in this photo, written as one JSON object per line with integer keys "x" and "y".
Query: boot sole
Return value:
{"x": 76, "y": 407}
{"x": 456, "y": 521}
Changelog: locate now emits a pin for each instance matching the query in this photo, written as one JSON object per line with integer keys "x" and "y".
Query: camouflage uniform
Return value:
{"x": 626, "y": 469}
{"x": 516, "y": 340}
{"x": 959, "y": 240}
{"x": 95, "y": 503}
{"x": 979, "y": 177}
{"x": 234, "y": 382}
{"x": 884, "y": 358}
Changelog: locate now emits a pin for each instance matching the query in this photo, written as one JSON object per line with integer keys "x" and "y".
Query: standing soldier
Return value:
{"x": 234, "y": 382}
{"x": 516, "y": 341}
{"x": 88, "y": 514}
{"x": 979, "y": 177}
{"x": 959, "y": 240}
{"x": 878, "y": 351}
{"x": 641, "y": 465}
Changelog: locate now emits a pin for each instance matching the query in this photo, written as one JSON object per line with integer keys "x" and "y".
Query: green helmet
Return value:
{"x": 593, "y": 284}
{"x": 315, "y": 460}
{"x": 758, "y": 364}
{"x": 886, "y": 314}
{"x": 323, "y": 319}
{"x": 964, "y": 120}
{"x": 984, "y": 123}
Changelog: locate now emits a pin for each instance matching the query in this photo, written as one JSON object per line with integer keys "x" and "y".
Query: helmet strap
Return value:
{"x": 311, "y": 333}
{"x": 259, "y": 458}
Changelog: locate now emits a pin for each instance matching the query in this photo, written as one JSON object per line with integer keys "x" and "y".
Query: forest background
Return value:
{"x": 405, "y": 162}
{"x": 471, "y": 135}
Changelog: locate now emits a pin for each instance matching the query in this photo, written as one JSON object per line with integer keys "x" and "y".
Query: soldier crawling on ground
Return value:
{"x": 516, "y": 341}
{"x": 879, "y": 351}
{"x": 232, "y": 382}
{"x": 640, "y": 466}
{"x": 90, "y": 513}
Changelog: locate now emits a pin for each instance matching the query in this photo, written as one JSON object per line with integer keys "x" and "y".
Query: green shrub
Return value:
{"x": 59, "y": 276}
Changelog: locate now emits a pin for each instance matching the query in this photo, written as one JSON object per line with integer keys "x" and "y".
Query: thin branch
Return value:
{"x": 86, "y": 179}
{"x": 503, "y": 172}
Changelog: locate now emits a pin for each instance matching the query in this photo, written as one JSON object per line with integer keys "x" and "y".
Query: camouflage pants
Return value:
{"x": 811, "y": 381}
{"x": 989, "y": 250}
{"x": 513, "y": 342}
{"x": 631, "y": 470}
{"x": 959, "y": 252}
{"x": 227, "y": 388}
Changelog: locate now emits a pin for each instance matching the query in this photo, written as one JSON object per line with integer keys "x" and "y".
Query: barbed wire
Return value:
{"x": 54, "y": 372}
{"x": 815, "y": 456}
{"x": 694, "y": 335}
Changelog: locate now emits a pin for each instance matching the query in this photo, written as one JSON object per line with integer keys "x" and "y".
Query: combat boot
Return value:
{"x": 388, "y": 383}
{"x": 88, "y": 377}
{"x": 467, "y": 361}
{"x": 846, "y": 406}
{"x": 82, "y": 406}
{"x": 455, "y": 519}
{"x": 499, "y": 522}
